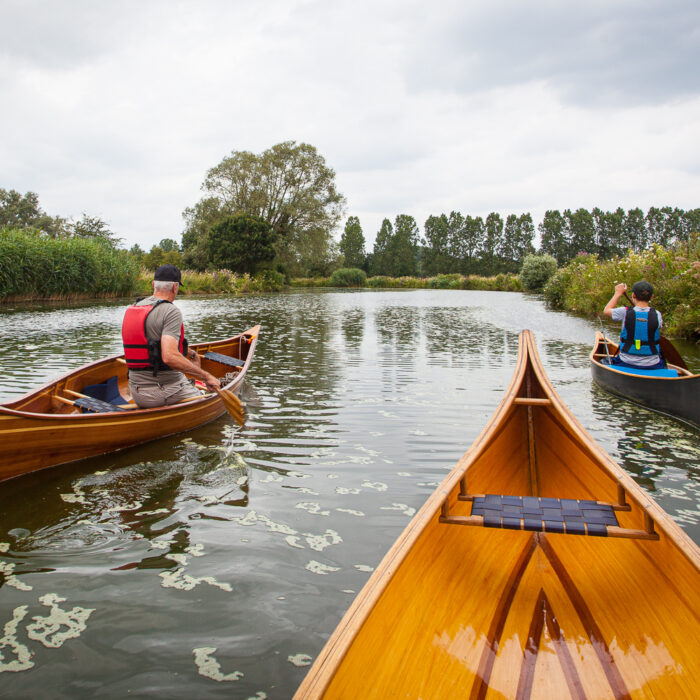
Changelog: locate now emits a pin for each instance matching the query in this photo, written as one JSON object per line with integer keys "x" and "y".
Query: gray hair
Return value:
{"x": 163, "y": 285}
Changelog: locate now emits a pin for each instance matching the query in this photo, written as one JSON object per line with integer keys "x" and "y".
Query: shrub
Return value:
{"x": 441, "y": 281}
{"x": 348, "y": 277}
{"x": 536, "y": 271}
{"x": 379, "y": 282}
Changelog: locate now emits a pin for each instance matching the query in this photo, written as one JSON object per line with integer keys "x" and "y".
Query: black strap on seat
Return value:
{"x": 563, "y": 515}
{"x": 96, "y": 406}
{"x": 223, "y": 359}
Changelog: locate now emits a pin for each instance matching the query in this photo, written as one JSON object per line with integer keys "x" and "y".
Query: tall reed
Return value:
{"x": 33, "y": 266}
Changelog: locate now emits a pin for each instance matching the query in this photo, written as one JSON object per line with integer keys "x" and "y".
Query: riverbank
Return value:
{"x": 497, "y": 283}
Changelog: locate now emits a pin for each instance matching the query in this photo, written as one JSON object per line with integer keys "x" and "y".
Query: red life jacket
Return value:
{"x": 139, "y": 353}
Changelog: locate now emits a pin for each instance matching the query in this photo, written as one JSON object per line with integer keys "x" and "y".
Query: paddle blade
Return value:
{"x": 233, "y": 405}
{"x": 670, "y": 353}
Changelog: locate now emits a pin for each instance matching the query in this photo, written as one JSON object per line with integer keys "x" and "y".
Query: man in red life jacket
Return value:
{"x": 155, "y": 347}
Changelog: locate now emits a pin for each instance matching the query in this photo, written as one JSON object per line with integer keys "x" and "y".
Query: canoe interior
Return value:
{"x": 455, "y": 611}
{"x": 58, "y": 432}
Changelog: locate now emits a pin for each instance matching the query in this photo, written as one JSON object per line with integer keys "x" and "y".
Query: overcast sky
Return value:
{"x": 118, "y": 108}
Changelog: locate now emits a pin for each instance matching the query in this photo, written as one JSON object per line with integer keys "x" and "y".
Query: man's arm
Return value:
{"x": 172, "y": 357}
{"x": 620, "y": 289}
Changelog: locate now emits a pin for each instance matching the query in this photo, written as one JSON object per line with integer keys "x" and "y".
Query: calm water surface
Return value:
{"x": 216, "y": 563}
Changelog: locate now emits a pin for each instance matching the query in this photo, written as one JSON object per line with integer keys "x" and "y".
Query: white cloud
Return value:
{"x": 118, "y": 109}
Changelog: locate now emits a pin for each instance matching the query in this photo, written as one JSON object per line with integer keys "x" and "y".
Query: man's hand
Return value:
{"x": 173, "y": 358}
{"x": 211, "y": 381}
{"x": 620, "y": 289}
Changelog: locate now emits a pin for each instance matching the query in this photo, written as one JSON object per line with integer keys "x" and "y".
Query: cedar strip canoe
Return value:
{"x": 459, "y": 610}
{"x": 676, "y": 396}
{"x": 44, "y": 428}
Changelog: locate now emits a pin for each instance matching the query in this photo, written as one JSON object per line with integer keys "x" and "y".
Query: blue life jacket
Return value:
{"x": 640, "y": 333}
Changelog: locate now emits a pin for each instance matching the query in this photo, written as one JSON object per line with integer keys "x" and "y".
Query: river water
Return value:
{"x": 215, "y": 564}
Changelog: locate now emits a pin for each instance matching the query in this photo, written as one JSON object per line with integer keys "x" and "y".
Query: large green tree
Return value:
{"x": 289, "y": 185}
{"x": 241, "y": 243}
{"x": 352, "y": 243}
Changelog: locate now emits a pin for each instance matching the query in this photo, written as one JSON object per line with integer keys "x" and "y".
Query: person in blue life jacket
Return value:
{"x": 155, "y": 347}
{"x": 641, "y": 326}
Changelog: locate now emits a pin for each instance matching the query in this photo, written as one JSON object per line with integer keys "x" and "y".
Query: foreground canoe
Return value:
{"x": 594, "y": 593}
{"x": 48, "y": 426}
{"x": 677, "y": 396}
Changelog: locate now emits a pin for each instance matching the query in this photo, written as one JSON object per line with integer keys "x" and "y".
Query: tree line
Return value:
{"x": 278, "y": 210}
{"x": 467, "y": 245}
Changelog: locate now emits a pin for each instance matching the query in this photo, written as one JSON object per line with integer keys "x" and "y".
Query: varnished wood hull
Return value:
{"x": 478, "y": 612}
{"x": 39, "y": 431}
{"x": 679, "y": 397}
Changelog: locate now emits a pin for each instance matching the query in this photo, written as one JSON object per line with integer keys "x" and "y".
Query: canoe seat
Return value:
{"x": 565, "y": 515}
{"x": 568, "y": 516}
{"x": 645, "y": 372}
{"x": 107, "y": 391}
{"x": 223, "y": 359}
{"x": 92, "y": 405}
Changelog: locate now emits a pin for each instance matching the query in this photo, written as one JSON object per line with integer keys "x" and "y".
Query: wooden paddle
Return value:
{"x": 666, "y": 346}
{"x": 233, "y": 405}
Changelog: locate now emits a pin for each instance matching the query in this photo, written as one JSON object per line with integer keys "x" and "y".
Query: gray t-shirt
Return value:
{"x": 618, "y": 314}
{"x": 165, "y": 319}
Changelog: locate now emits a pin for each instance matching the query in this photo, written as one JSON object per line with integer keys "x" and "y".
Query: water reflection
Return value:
{"x": 358, "y": 403}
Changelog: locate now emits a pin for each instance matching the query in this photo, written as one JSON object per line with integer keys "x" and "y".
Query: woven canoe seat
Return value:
{"x": 96, "y": 406}
{"x": 223, "y": 359}
{"x": 564, "y": 515}
{"x": 107, "y": 391}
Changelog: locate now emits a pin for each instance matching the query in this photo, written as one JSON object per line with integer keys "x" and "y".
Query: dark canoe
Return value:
{"x": 56, "y": 424}
{"x": 674, "y": 396}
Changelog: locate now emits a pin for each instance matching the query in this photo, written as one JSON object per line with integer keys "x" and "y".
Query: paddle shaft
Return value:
{"x": 666, "y": 346}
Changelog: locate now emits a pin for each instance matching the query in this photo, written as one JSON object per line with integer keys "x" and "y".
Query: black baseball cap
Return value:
{"x": 642, "y": 290}
{"x": 168, "y": 273}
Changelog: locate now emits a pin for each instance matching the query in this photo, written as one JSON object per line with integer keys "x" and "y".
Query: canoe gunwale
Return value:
{"x": 323, "y": 670}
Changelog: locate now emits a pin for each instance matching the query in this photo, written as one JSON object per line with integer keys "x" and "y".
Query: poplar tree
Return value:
{"x": 352, "y": 243}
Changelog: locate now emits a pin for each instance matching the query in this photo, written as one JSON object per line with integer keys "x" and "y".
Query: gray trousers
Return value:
{"x": 157, "y": 394}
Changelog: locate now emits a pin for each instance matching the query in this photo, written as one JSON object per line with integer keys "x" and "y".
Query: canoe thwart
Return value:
{"x": 223, "y": 359}
{"x": 568, "y": 516}
{"x": 527, "y": 401}
{"x": 549, "y": 527}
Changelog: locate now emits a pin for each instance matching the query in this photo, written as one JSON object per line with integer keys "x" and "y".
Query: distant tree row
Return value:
{"x": 472, "y": 245}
